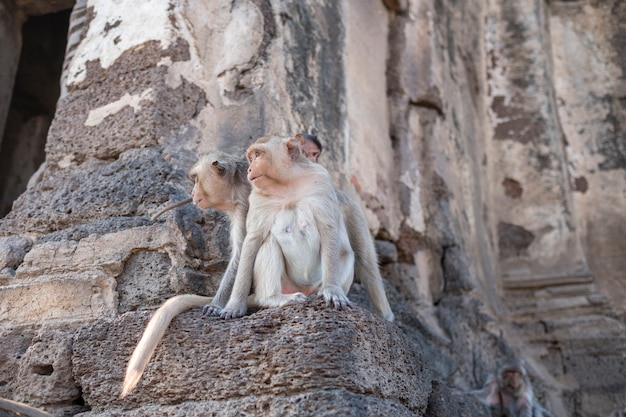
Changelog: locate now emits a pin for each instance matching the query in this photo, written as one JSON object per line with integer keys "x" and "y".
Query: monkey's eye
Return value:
{"x": 253, "y": 154}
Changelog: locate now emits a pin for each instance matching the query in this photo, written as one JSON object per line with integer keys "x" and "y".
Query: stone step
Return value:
{"x": 525, "y": 282}
{"x": 574, "y": 330}
{"x": 534, "y": 308}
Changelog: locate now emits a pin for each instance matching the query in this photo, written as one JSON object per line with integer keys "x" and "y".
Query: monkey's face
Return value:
{"x": 513, "y": 379}
{"x": 259, "y": 165}
{"x": 199, "y": 197}
{"x": 209, "y": 190}
{"x": 311, "y": 150}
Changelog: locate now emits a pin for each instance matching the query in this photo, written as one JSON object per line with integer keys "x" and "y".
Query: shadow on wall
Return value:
{"x": 33, "y": 103}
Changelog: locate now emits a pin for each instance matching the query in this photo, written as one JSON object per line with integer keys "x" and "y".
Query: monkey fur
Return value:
{"x": 296, "y": 240}
{"x": 220, "y": 182}
{"x": 508, "y": 392}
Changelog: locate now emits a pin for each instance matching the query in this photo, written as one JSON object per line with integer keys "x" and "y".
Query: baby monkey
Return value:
{"x": 509, "y": 393}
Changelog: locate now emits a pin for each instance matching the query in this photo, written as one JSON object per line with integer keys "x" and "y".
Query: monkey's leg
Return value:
{"x": 269, "y": 273}
{"x": 154, "y": 332}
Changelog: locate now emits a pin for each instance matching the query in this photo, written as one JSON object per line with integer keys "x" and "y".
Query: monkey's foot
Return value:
{"x": 211, "y": 310}
{"x": 233, "y": 312}
{"x": 297, "y": 298}
{"x": 335, "y": 297}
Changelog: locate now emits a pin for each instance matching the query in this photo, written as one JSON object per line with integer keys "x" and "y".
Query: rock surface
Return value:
{"x": 484, "y": 140}
{"x": 273, "y": 358}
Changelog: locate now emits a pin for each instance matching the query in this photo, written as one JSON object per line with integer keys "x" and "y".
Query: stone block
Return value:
{"x": 305, "y": 350}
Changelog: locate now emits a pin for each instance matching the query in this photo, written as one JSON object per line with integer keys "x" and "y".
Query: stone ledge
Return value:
{"x": 319, "y": 403}
{"x": 300, "y": 350}
{"x": 59, "y": 298}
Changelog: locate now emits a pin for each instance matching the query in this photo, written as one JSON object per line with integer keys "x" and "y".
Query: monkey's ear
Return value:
{"x": 300, "y": 139}
{"x": 221, "y": 169}
{"x": 293, "y": 147}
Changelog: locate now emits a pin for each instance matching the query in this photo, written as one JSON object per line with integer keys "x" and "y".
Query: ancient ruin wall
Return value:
{"x": 484, "y": 139}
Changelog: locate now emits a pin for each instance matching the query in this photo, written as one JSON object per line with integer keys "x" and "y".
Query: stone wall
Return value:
{"x": 484, "y": 140}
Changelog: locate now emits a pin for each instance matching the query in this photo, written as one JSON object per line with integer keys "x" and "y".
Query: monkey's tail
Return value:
{"x": 21, "y": 408}
{"x": 154, "y": 332}
{"x": 170, "y": 207}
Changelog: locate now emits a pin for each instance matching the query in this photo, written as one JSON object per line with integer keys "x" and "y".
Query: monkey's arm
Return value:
{"x": 336, "y": 255}
{"x": 21, "y": 408}
{"x": 238, "y": 302}
{"x": 225, "y": 289}
{"x": 237, "y": 235}
{"x": 152, "y": 335}
{"x": 170, "y": 207}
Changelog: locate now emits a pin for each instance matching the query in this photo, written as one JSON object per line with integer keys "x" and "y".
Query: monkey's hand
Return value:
{"x": 334, "y": 297}
{"x": 211, "y": 310}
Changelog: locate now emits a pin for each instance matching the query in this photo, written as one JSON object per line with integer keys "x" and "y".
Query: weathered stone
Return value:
{"x": 144, "y": 282}
{"x": 45, "y": 374}
{"x": 279, "y": 352}
{"x": 93, "y": 191}
{"x": 386, "y": 251}
{"x": 14, "y": 346}
{"x": 328, "y": 403}
{"x": 38, "y": 7}
{"x": 13, "y": 250}
{"x": 444, "y": 403}
{"x": 483, "y": 139}
{"x": 64, "y": 298}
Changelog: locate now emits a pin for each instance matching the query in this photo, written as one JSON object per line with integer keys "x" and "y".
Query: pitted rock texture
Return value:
{"x": 305, "y": 350}
{"x": 484, "y": 141}
{"x": 95, "y": 190}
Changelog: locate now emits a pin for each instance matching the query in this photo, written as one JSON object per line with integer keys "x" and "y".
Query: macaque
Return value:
{"x": 365, "y": 259}
{"x": 311, "y": 147}
{"x": 21, "y": 409}
{"x": 508, "y": 393}
{"x": 219, "y": 182}
{"x": 296, "y": 240}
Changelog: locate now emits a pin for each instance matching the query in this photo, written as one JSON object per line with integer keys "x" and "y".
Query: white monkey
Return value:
{"x": 296, "y": 241}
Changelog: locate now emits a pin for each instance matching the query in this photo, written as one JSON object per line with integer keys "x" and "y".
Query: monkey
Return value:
{"x": 365, "y": 261}
{"x": 290, "y": 250}
{"x": 21, "y": 408}
{"x": 508, "y": 392}
{"x": 311, "y": 147}
{"x": 296, "y": 240}
{"x": 219, "y": 182}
